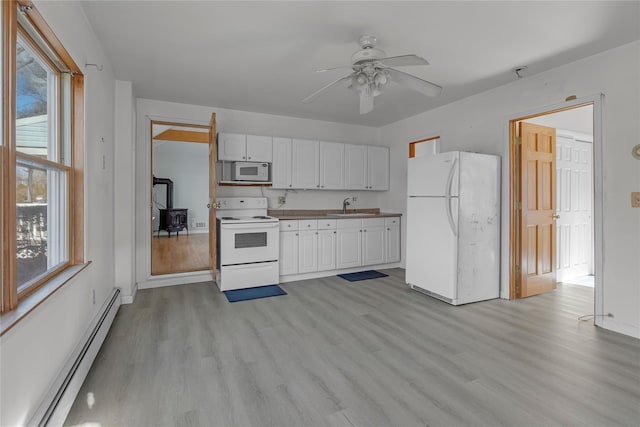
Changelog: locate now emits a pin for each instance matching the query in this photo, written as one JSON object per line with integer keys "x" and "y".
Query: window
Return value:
{"x": 41, "y": 155}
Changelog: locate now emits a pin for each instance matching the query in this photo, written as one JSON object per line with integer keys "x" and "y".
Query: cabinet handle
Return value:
{"x": 323, "y": 186}
{"x": 388, "y": 229}
{"x": 318, "y": 186}
{"x": 289, "y": 185}
{"x": 334, "y": 232}
{"x": 249, "y": 158}
{"x": 244, "y": 157}
{"x": 365, "y": 231}
{"x": 296, "y": 234}
{"x": 316, "y": 232}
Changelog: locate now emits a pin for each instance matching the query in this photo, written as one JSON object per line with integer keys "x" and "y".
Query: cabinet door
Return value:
{"x": 306, "y": 164}
{"x": 393, "y": 244}
{"x": 288, "y": 252}
{"x": 355, "y": 157}
{"x": 281, "y": 166}
{"x": 378, "y": 162}
{"x": 326, "y": 250}
{"x": 232, "y": 146}
{"x": 259, "y": 148}
{"x": 331, "y": 165}
{"x": 348, "y": 248}
{"x": 373, "y": 245}
{"x": 308, "y": 251}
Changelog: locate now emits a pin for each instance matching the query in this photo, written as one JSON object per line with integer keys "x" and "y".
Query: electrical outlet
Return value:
{"x": 282, "y": 200}
{"x": 201, "y": 224}
{"x": 354, "y": 198}
{"x": 635, "y": 199}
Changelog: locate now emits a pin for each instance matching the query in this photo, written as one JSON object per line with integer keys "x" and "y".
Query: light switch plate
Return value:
{"x": 635, "y": 199}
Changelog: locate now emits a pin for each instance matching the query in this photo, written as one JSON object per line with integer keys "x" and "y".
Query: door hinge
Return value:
{"x": 519, "y": 205}
{"x": 517, "y": 270}
{"x": 517, "y": 140}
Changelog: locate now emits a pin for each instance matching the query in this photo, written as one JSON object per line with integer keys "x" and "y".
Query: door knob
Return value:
{"x": 555, "y": 216}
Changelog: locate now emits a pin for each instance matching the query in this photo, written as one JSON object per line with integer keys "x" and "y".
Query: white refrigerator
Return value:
{"x": 453, "y": 226}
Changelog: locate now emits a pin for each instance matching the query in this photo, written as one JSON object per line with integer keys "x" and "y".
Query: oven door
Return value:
{"x": 249, "y": 242}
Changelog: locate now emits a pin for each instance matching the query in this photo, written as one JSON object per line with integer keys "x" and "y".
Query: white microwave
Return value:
{"x": 249, "y": 171}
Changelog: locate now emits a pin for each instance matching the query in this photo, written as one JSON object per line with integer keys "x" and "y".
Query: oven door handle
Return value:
{"x": 250, "y": 226}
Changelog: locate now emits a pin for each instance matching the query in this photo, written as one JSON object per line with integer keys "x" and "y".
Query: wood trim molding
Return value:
{"x": 76, "y": 192}
{"x": 183, "y": 136}
{"x": 9, "y": 39}
{"x": 412, "y": 145}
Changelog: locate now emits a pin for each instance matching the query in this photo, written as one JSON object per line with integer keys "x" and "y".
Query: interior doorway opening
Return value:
{"x": 180, "y": 224}
{"x": 552, "y": 183}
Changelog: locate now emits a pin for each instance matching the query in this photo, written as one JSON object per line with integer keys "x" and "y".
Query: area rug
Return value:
{"x": 254, "y": 293}
{"x": 362, "y": 275}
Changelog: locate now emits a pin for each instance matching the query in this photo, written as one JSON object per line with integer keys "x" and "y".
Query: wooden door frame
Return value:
{"x": 596, "y": 101}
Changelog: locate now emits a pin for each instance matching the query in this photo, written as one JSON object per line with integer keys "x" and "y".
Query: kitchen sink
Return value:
{"x": 351, "y": 214}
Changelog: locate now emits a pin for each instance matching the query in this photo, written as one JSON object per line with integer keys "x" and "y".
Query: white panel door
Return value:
{"x": 393, "y": 244}
{"x": 288, "y": 252}
{"x": 308, "y": 251}
{"x": 355, "y": 157}
{"x": 326, "y": 250}
{"x": 378, "y": 168}
{"x": 306, "y": 164}
{"x": 281, "y": 166}
{"x": 431, "y": 246}
{"x": 373, "y": 245}
{"x": 331, "y": 165}
{"x": 232, "y": 147}
{"x": 259, "y": 148}
{"x": 348, "y": 248}
{"x": 574, "y": 189}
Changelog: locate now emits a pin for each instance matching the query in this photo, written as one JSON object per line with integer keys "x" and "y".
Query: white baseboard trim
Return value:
{"x": 55, "y": 405}
{"x": 176, "y": 279}
{"x": 318, "y": 274}
{"x": 129, "y": 299}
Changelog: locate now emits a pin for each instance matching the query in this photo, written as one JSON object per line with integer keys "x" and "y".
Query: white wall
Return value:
{"x": 249, "y": 123}
{"x": 478, "y": 123}
{"x": 187, "y": 165}
{"x": 36, "y": 349}
{"x": 124, "y": 193}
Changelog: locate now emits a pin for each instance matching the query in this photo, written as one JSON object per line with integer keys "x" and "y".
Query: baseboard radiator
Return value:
{"x": 56, "y": 404}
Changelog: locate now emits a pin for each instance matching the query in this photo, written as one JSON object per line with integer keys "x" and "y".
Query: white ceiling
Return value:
{"x": 261, "y": 56}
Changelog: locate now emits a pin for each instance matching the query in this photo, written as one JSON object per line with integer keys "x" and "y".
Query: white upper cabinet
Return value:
{"x": 306, "y": 164}
{"x": 232, "y": 146}
{"x": 259, "y": 148}
{"x": 355, "y": 167}
{"x": 244, "y": 148}
{"x": 378, "y": 167}
{"x": 281, "y": 168}
{"x": 331, "y": 165}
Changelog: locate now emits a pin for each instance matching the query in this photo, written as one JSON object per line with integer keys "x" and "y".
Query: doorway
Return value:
{"x": 180, "y": 192}
{"x": 554, "y": 176}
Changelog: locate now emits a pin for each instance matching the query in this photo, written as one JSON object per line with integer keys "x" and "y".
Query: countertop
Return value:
{"x": 297, "y": 214}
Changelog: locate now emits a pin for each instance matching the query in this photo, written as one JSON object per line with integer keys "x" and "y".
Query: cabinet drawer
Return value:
{"x": 308, "y": 224}
{"x": 393, "y": 221}
{"x": 327, "y": 224}
{"x": 289, "y": 225}
{"x": 373, "y": 222}
{"x": 349, "y": 223}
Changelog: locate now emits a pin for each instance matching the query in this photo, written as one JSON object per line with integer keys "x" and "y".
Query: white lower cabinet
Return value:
{"x": 373, "y": 241}
{"x": 308, "y": 246}
{"x": 392, "y": 226}
{"x": 348, "y": 243}
{"x": 288, "y": 247}
{"x": 327, "y": 247}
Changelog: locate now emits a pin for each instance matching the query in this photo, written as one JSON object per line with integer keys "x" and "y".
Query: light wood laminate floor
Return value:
{"x": 179, "y": 254}
{"x": 369, "y": 353}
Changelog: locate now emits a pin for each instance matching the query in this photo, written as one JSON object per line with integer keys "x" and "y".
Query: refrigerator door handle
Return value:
{"x": 447, "y": 190}
{"x": 452, "y": 224}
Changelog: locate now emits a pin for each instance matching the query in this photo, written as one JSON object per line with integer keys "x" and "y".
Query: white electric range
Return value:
{"x": 247, "y": 244}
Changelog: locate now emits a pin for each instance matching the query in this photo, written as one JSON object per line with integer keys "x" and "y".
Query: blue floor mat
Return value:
{"x": 362, "y": 275}
{"x": 254, "y": 293}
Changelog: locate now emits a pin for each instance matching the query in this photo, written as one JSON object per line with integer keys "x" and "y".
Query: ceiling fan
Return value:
{"x": 372, "y": 71}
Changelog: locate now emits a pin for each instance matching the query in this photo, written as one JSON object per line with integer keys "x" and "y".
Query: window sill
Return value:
{"x": 9, "y": 319}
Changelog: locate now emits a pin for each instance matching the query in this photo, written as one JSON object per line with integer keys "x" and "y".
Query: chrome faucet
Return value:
{"x": 345, "y": 203}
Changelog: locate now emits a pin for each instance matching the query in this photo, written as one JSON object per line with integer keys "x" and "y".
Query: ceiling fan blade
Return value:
{"x": 415, "y": 83}
{"x": 333, "y": 68}
{"x": 366, "y": 103}
{"x": 316, "y": 94}
{"x": 403, "y": 60}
